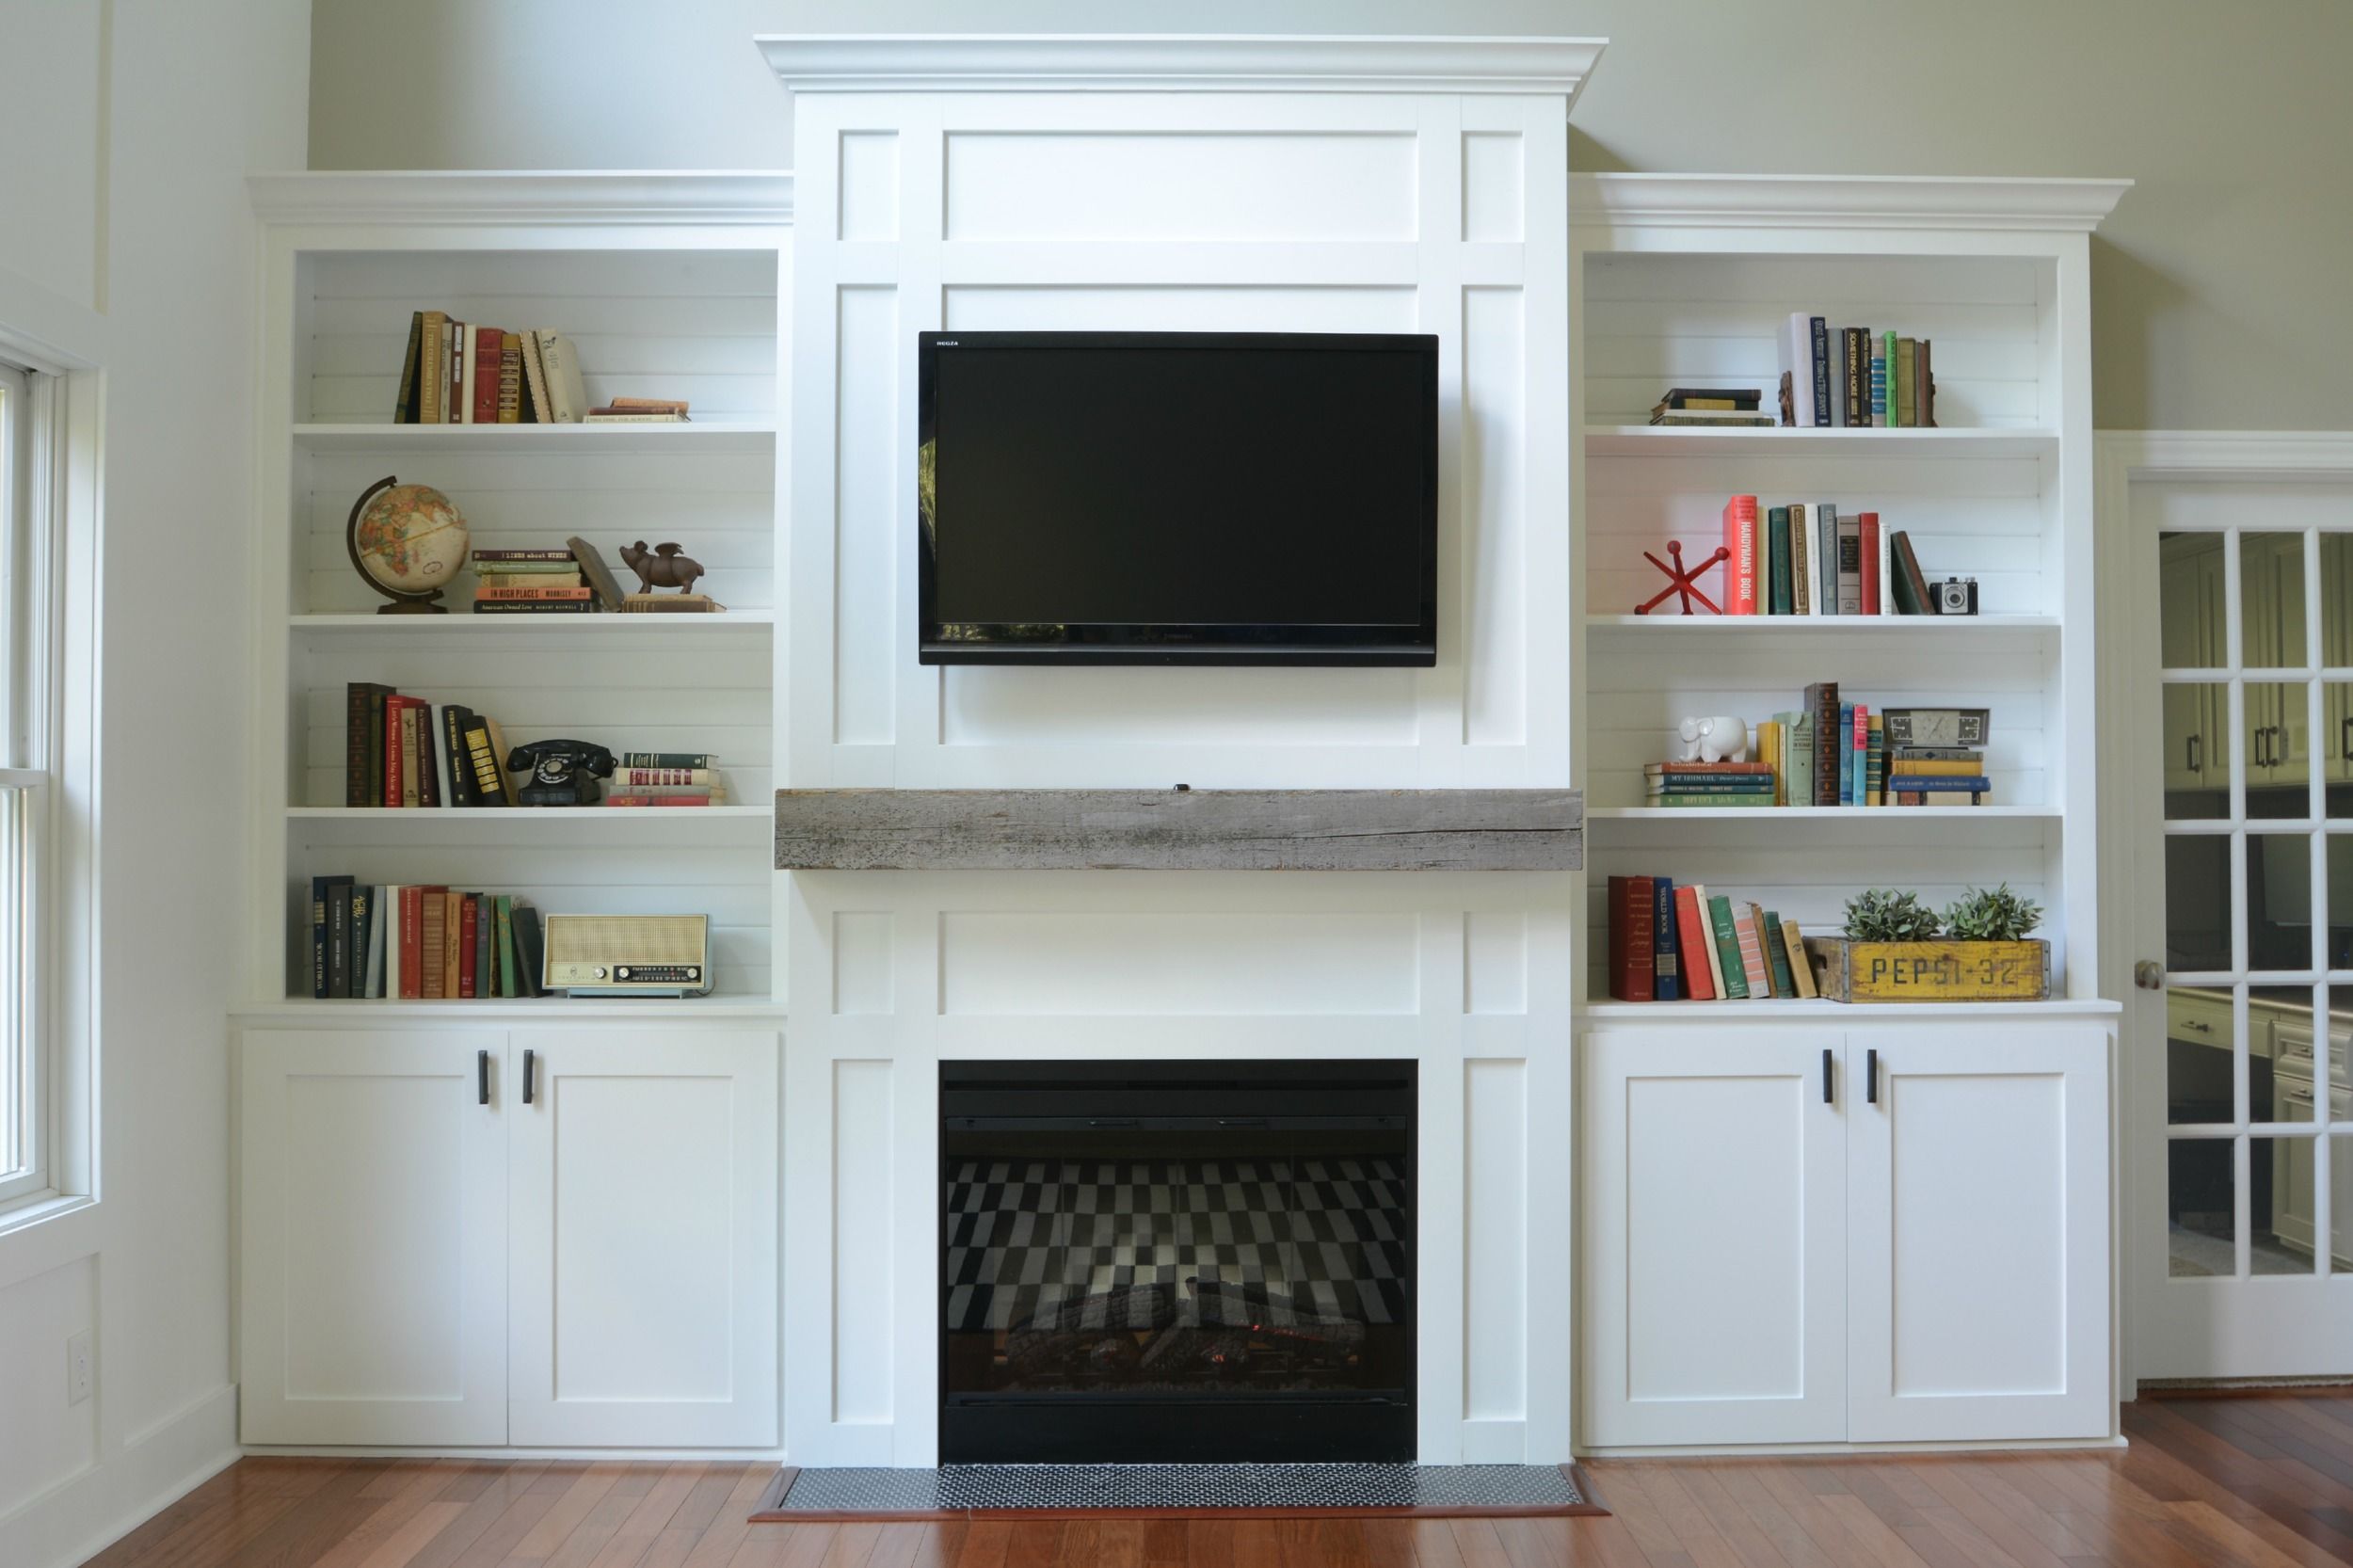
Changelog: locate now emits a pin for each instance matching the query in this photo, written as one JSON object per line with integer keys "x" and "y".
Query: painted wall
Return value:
{"x": 131, "y": 227}
{"x": 2216, "y": 284}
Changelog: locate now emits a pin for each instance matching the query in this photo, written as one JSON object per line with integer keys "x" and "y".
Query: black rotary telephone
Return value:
{"x": 563, "y": 773}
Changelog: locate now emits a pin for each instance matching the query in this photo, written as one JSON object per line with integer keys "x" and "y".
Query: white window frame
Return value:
{"x": 25, "y": 560}
{"x": 51, "y": 562}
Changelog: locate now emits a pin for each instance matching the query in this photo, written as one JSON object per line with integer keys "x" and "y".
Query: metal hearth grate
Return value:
{"x": 953, "y": 1490}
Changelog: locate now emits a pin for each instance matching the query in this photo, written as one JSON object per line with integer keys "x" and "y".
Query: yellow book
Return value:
{"x": 1935, "y": 767}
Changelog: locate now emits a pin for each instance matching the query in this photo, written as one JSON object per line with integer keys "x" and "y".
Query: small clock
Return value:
{"x": 1936, "y": 727}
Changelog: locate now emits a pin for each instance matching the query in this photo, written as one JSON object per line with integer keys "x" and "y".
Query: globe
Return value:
{"x": 407, "y": 539}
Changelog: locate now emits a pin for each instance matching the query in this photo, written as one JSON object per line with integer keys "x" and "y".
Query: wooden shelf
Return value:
{"x": 597, "y": 625}
{"x": 715, "y": 437}
{"x": 1793, "y": 1009}
{"x": 307, "y": 1009}
{"x": 1678, "y": 624}
{"x": 518, "y": 816}
{"x": 1659, "y": 441}
{"x": 1796, "y": 814}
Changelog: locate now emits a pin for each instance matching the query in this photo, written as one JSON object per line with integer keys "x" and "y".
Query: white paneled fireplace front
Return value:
{"x": 1461, "y": 982}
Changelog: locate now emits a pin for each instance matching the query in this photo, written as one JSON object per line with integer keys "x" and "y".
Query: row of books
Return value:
{"x": 463, "y": 372}
{"x": 1807, "y": 559}
{"x": 1670, "y": 943}
{"x": 374, "y": 941}
{"x": 1855, "y": 376}
{"x": 403, "y": 751}
{"x": 1828, "y": 753}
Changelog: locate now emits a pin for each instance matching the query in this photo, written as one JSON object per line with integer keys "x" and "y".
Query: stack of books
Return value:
{"x": 664, "y": 779}
{"x": 638, "y": 410}
{"x": 382, "y": 941}
{"x": 529, "y": 583}
{"x": 1711, "y": 407}
{"x": 1855, "y": 377}
{"x": 1806, "y": 558}
{"x": 1832, "y": 752}
{"x": 1707, "y": 784}
{"x": 1670, "y": 943}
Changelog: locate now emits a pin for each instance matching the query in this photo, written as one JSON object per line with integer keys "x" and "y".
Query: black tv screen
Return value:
{"x": 1178, "y": 498}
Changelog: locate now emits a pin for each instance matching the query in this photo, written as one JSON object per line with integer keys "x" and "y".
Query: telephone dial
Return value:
{"x": 563, "y": 773}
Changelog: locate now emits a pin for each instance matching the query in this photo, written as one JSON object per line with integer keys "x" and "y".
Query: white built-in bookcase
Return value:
{"x": 1687, "y": 280}
{"x": 672, "y": 285}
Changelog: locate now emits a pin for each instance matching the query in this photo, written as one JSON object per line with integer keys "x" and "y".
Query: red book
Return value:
{"x": 1694, "y": 938}
{"x": 1740, "y": 571}
{"x": 412, "y": 940}
{"x": 1862, "y": 747}
{"x": 657, "y": 800}
{"x": 485, "y": 376}
{"x": 1633, "y": 952}
{"x": 1870, "y": 522}
{"x": 392, "y": 750}
{"x": 468, "y": 925}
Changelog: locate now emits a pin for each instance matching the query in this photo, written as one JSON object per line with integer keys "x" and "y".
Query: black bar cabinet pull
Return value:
{"x": 482, "y": 1077}
{"x": 1870, "y": 1077}
{"x": 1826, "y": 1099}
{"x": 2344, "y": 739}
{"x": 527, "y": 1064}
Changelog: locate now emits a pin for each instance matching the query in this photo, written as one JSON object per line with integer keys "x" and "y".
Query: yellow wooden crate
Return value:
{"x": 1845, "y": 970}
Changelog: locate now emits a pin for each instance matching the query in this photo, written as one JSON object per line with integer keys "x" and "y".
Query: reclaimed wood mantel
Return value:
{"x": 1226, "y": 830}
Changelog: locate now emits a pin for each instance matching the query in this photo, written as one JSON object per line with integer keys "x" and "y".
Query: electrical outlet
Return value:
{"x": 77, "y": 1368}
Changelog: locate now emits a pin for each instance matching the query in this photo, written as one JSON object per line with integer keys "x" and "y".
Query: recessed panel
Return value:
{"x": 644, "y": 1230}
{"x": 1494, "y": 202}
{"x": 870, "y": 184}
{"x": 1102, "y": 962}
{"x": 1176, "y": 709}
{"x": 1494, "y": 1239}
{"x": 867, "y": 467}
{"x": 1179, "y": 308}
{"x": 1715, "y": 1238}
{"x": 375, "y": 1276}
{"x": 1177, "y": 185}
{"x": 1494, "y": 490}
{"x": 1980, "y": 1280}
{"x": 861, "y": 963}
{"x": 865, "y": 1154}
{"x": 1494, "y": 962}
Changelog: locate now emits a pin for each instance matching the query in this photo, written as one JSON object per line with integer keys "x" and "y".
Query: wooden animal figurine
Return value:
{"x": 1716, "y": 740}
{"x": 661, "y": 567}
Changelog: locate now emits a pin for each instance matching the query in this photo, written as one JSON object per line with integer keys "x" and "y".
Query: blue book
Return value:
{"x": 1845, "y": 754}
{"x": 1667, "y": 984}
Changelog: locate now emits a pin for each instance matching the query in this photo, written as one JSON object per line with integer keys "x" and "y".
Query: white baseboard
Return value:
{"x": 83, "y": 1515}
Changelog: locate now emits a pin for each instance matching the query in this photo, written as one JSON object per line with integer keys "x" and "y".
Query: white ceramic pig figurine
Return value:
{"x": 1716, "y": 740}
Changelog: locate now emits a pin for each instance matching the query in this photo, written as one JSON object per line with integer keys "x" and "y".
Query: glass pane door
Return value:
{"x": 2255, "y": 706}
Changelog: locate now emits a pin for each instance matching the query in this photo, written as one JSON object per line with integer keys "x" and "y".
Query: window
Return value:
{"x": 27, "y": 789}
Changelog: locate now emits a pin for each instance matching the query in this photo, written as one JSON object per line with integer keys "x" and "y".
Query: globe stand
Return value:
{"x": 416, "y": 602}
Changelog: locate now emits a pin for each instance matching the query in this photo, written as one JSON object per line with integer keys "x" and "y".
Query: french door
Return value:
{"x": 2241, "y": 1257}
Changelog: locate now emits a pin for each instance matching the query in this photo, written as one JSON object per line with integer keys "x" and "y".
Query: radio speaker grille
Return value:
{"x": 630, "y": 938}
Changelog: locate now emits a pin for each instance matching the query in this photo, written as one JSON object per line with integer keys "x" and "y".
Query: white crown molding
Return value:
{"x": 502, "y": 196}
{"x": 2225, "y": 455}
{"x": 1861, "y": 200}
{"x": 1168, "y": 62}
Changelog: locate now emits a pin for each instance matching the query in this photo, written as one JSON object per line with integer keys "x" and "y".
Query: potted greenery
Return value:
{"x": 1896, "y": 948}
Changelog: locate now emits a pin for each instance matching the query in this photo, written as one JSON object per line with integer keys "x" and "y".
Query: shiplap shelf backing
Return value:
{"x": 1224, "y": 830}
{"x": 668, "y": 285}
{"x": 1688, "y": 280}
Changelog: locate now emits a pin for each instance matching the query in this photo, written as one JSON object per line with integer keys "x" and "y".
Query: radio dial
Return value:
{"x": 599, "y": 972}
{"x": 693, "y": 973}
{"x": 621, "y": 973}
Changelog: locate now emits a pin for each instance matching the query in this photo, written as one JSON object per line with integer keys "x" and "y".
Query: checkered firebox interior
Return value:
{"x": 1057, "y": 1246}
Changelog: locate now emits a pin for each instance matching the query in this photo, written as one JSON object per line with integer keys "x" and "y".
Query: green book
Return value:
{"x": 1784, "y": 595}
{"x": 507, "y": 986}
{"x": 1777, "y": 955}
{"x": 1887, "y": 416}
{"x": 1728, "y": 946}
{"x": 1697, "y": 802}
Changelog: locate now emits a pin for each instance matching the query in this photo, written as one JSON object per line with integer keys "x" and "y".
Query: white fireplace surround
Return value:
{"x": 1344, "y": 184}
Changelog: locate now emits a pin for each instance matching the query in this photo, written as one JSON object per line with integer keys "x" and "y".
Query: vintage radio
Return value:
{"x": 627, "y": 955}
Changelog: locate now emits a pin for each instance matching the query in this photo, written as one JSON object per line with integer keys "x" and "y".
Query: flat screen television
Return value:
{"x": 1178, "y": 498}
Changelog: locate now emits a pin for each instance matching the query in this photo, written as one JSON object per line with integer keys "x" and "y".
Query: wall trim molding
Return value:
{"x": 1813, "y": 200}
{"x": 1162, "y": 62}
{"x": 90, "y": 1510}
{"x": 510, "y": 197}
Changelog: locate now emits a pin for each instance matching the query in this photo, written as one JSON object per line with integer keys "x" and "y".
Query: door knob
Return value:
{"x": 2149, "y": 975}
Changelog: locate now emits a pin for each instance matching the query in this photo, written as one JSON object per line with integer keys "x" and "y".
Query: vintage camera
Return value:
{"x": 1957, "y": 596}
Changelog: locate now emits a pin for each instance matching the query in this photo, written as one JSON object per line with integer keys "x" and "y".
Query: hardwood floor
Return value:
{"x": 2254, "y": 1481}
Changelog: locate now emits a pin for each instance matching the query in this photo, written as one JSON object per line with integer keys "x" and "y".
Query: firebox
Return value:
{"x": 1166, "y": 1261}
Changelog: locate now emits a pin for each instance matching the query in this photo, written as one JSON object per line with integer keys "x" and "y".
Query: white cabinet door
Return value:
{"x": 1715, "y": 1300}
{"x": 645, "y": 1289}
{"x": 373, "y": 1216}
{"x": 1978, "y": 1191}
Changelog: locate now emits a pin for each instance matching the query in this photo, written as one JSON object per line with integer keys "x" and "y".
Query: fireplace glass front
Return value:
{"x": 1177, "y": 1261}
